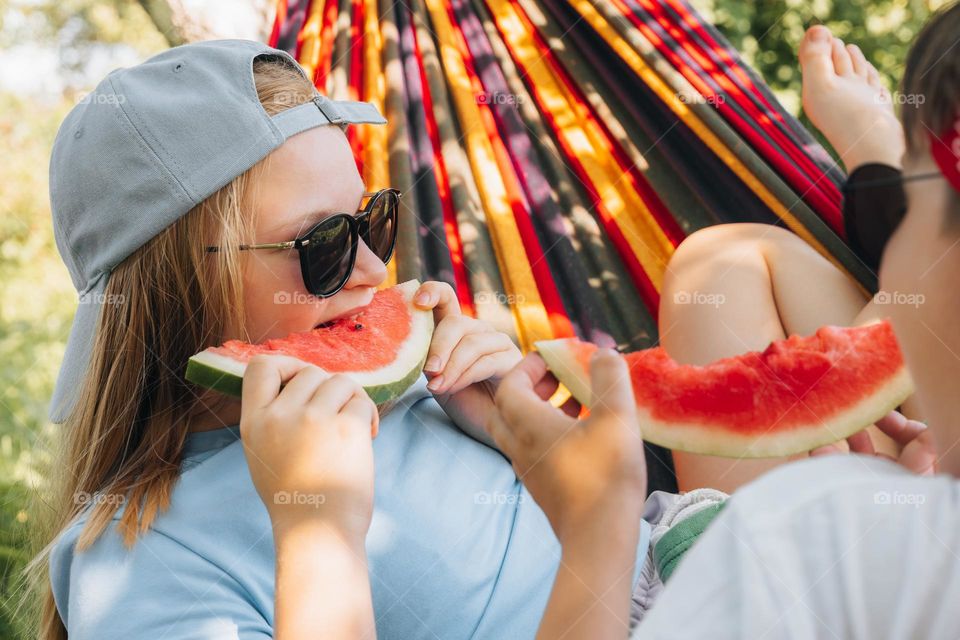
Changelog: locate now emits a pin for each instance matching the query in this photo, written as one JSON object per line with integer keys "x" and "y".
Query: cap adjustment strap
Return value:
{"x": 328, "y": 109}
{"x": 321, "y": 111}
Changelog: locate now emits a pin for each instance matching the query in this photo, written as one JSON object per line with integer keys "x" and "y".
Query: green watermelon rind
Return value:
{"x": 714, "y": 440}
{"x": 225, "y": 375}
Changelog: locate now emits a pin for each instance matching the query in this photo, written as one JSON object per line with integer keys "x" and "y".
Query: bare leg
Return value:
{"x": 770, "y": 282}
{"x": 736, "y": 288}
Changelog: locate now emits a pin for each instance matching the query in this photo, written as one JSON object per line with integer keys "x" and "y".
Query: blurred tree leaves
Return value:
{"x": 78, "y": 29}
{"x": 768, "y": 33}
{"x": 37, "y": 299}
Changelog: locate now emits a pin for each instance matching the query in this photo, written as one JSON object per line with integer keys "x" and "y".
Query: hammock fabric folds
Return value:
{"x": 553, "y": 153}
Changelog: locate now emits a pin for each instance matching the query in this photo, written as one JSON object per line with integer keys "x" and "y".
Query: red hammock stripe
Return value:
{"x": 549, "y": 296}
{"x": 637, "y": 273}
{"x": 450, "y": 227}
{"x": 281, "y": 14}
{"x": 792, "y": 163}
{"x": 660, "y": 212}
{"x": 322, "y": 73}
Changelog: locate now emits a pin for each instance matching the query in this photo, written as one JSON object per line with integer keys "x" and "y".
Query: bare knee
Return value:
{"x": 719, "y": 244}
{"x": 709, "y": 247}
{"x": 710, "y": 240}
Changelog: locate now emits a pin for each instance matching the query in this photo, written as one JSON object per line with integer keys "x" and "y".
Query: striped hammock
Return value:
{"x": 553, "y": 153}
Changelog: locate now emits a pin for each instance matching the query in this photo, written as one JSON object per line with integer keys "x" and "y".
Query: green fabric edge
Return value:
{"x": 681, "y": 536}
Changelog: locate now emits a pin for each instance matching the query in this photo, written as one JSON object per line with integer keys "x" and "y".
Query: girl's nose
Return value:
{"x": 369, "y": 270}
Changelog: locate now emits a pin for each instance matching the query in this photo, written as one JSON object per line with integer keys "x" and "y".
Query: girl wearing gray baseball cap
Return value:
{"x": 165, "y": 520}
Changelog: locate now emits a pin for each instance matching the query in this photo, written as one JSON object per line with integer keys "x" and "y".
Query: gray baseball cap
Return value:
{"x": 146, "y": 146}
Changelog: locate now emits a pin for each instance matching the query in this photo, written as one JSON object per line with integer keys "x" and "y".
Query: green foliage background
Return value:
{"x": 36, "y": 297}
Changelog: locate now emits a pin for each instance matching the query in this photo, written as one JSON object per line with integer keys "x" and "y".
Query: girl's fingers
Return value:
{"x": 438, "y": 296}
{"x": 468, "y": 351}
{"x": 860, "y": 442}
{"x": 485, "y": 367}
{"x": 547, "y": 386}
{"x": 516, "y": 401}
{"x": 363, "y": 410}
{"x": 446, "y": 336}
{"x": 826, "y": 450}
{"x": 303, "y": 385}
{"x": 334, "y": 393}
{"x": 900, "y": 429}
{"x": 920, "y": 454}
{"x": 263, "y": 378}
{"x": 571, "y": 407}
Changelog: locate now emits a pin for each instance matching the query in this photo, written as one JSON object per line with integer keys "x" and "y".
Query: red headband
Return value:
{"x": 946, "y": 153}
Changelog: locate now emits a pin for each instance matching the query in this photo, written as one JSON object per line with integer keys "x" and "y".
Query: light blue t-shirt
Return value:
{"x": 457, "y": 547}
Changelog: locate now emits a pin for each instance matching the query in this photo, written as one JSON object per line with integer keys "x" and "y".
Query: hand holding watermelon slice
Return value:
{"x": 306, "y": 436}
{"x": 466, "y": 360}
{"x": 797, "y": 395}
{"x": 918, "y": 450}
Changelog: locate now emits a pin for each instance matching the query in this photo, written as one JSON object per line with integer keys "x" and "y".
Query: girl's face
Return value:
{"x": 918, "y": 274}
{"x": 309, "y": 177}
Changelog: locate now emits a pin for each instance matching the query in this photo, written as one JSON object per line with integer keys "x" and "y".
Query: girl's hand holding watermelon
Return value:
{"x": 466, "y": 361}
{"x": 589, "y": 477}
{"x": 308, "y": 445}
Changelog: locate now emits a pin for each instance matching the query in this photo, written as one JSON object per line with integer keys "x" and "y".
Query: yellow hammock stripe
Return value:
{"x": 310, "y": 34}
{"x": 670, "y": 98}
{"x": 641, "y": 230}
{"x": 529, "y": 312}
{"x": 376, "y": 171}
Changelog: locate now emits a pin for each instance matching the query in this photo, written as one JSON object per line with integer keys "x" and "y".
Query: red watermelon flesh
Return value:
{"x": 799, "y": 393}
{"x": 383, "y": 347}
{"x": 354, "y": 343}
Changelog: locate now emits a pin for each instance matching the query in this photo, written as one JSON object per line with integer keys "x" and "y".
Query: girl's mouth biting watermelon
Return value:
{"x": 382, "y": 345}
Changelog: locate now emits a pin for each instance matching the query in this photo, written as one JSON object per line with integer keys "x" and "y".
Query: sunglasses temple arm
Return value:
{"x": 887, "y": 182}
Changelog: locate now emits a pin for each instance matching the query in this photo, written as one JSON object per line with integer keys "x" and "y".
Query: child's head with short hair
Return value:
{"x": 922, "y": 258}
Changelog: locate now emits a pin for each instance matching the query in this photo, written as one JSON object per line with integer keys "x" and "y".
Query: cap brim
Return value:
{"x": 76, "y": 359}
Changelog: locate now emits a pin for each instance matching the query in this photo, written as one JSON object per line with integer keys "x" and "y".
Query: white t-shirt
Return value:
{"x": 831, "y": 547}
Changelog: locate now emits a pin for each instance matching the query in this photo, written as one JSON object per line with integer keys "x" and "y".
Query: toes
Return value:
{"x": 842, "y": 63}
{"x": 860, "y": 65}
{"x": 815, "y": 52}
{"x": 873, "y": 77}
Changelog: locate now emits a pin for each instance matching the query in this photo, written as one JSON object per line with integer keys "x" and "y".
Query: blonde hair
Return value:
{"x": 124, "y": 439}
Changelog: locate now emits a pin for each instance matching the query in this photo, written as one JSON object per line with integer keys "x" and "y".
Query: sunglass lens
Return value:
{"x": 380, "y": 232}
{"x": 328, "y": 256}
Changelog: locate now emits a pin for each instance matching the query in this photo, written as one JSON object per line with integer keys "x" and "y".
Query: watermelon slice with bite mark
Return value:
{"x": 798, "y": 394}
{"x": 383, "y": 347}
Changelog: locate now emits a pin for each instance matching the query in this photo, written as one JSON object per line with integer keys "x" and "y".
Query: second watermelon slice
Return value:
{"x": 798, "y": 394}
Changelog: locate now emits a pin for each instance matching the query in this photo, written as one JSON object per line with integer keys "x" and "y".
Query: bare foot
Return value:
{"x": 843, "y": 97}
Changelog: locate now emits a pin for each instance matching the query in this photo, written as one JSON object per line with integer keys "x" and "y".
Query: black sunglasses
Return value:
{"x": 328, "y": 250}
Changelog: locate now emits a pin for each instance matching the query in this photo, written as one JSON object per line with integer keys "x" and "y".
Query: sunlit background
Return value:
{"x": 53, "y": 51}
